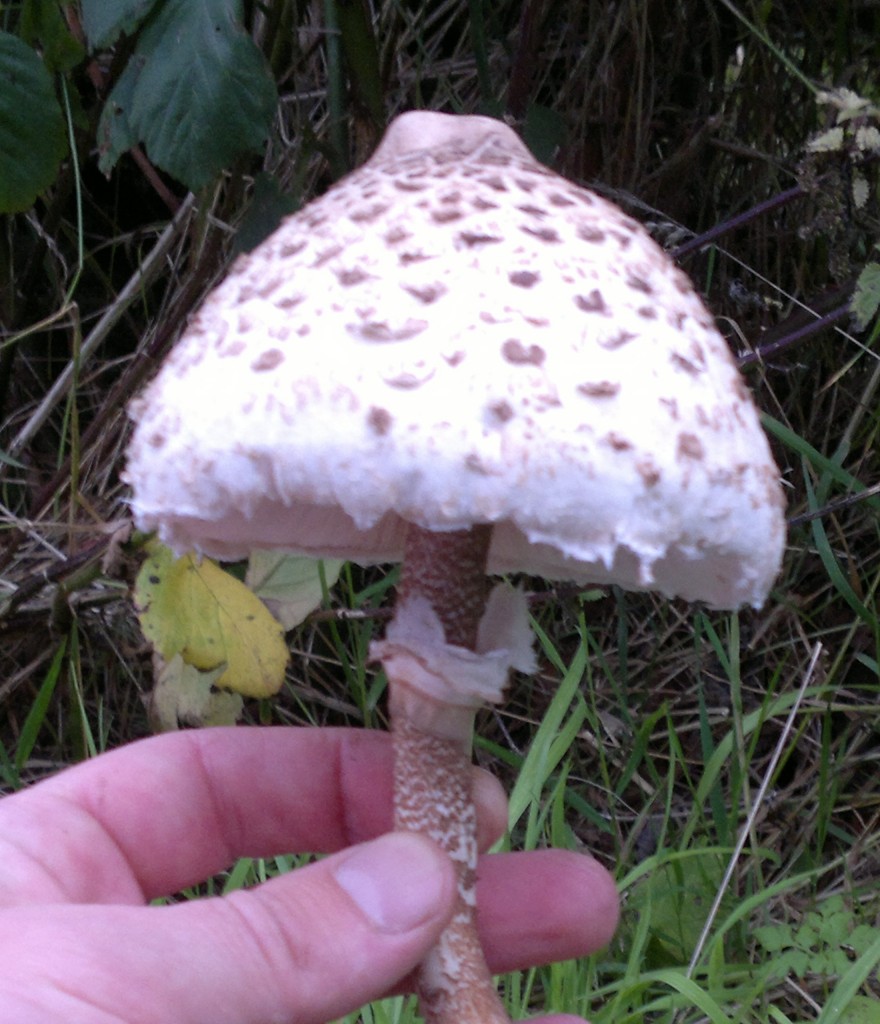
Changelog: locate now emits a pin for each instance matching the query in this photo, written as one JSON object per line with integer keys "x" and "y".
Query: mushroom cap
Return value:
{"x": 455, "y": 334}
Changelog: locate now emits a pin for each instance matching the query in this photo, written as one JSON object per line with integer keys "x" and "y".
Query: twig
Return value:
{"x": 834, "y": 506}
{"x": 763, "y": 352}
{"x": 55, "y": 573}
{"x": 698, "y": 241}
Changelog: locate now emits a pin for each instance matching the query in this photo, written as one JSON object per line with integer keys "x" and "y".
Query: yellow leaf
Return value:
{"x": 193, "y": 608}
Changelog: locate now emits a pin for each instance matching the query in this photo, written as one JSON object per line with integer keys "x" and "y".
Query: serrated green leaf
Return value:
{"x": 195, "y": 609}
{"x": 849, "y": 984}
{"x": 796, "y": 961}
{"x": 843, "y": 99}
{"x": 773, "y": 937}
{"x": 868, "y": 138}
{"x": 197, "y": 93}
{"x": 105, "y": 20}
{"x": 837, "y": 922}
{"x": 866, "y": 297}
{"x": 115, "y": 134}
{"x": 289, "y": 584}
{"x": 861, "y": 937}
{"x": 835, "y": 962}
{"x": 33, "y": 140}
{"x": 860, "y": 190}
{"x": 820, "y": 945}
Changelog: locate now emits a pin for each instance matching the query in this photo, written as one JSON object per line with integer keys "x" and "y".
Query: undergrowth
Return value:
{"x": 723, "y": 766}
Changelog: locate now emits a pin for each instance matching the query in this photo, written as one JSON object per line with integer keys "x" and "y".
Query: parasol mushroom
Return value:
{"x": 459, "y": 360}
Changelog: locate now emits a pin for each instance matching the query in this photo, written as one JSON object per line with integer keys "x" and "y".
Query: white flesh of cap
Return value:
{"x": 455, "y": 334}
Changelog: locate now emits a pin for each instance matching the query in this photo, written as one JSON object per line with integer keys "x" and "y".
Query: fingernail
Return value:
{"x": 397, "y": 880}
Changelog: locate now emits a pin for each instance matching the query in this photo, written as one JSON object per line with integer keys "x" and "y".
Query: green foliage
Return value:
{"x": 37, "y": 714}
{"x": 33, "y": 140}
{"x": 543, "y": 131}
{"x": 268, "y": 206}
{"x": 551, "y": 742}
{"x": 196, "y": 91}
{"x": 825, "y": 941}
{"x": 105, "y": 20}
{"x": 861, "y": 1010}
{"x": 673, "y": 901}
{"x": 362, "y": 57}
{"x": 44, "y": 28}
{"x": 845, "y": 992}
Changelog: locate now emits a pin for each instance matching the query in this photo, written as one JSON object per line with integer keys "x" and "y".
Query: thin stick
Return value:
{"x": 748, "y": 824}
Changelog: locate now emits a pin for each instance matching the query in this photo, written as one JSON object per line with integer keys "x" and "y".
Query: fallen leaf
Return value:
{"x": 191, "y": 607}
{"x": 185, "y": 696}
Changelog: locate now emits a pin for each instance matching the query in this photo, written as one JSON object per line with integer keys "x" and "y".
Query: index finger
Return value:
{"x": 167, "y": 812}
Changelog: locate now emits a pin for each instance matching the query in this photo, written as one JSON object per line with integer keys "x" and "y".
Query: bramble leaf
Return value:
{"x": 33, "y": 141}
{"x": 197, "y": 92}
{"x": 105, "y": 20}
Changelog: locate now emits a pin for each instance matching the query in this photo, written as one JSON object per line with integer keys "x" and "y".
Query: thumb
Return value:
{"x": 348, "y": 928}
{"x": 309, "y": 946}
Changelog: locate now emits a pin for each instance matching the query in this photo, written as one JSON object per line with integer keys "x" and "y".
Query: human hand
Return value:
{"x": 82, "y": 853}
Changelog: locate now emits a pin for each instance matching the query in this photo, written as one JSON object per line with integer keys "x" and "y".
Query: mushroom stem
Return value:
{"x": 454, "y": 983}
{"x": 449, "y": 569}
{"x": 432, "y": 789}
